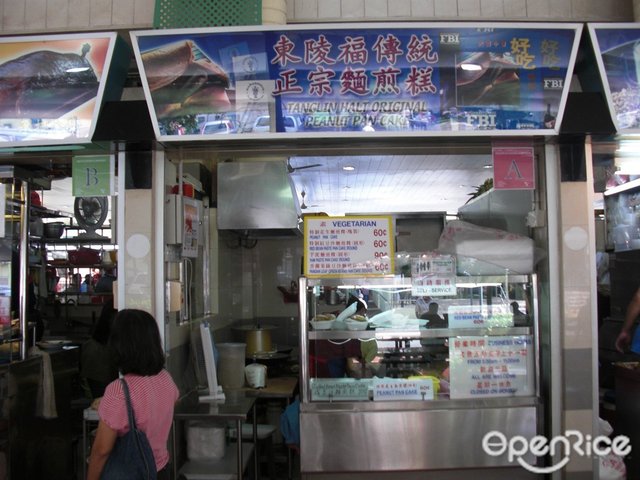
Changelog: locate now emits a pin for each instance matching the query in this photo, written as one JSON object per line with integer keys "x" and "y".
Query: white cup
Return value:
{"x": 256, "y": 374}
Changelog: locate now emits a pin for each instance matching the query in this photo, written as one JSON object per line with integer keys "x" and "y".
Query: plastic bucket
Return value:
{"x": 231, "y": 364}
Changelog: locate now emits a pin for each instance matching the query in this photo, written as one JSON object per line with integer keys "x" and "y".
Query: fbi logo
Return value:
{"x": 449, "y": 38}
{"x": 553, "y": 83}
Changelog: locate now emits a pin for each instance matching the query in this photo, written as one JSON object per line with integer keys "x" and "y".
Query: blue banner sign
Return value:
{"x": 617, "y": 48}
{"x": 400, "y": 79}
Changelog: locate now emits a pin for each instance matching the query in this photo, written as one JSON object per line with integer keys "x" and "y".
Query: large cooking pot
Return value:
{"x": 257, "y": 338}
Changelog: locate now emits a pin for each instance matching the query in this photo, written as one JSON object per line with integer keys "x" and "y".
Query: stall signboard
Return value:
{"x": 408, "y": 79}
{"x": 491, "y": 366}
{"x": 433, "y": 275}
{"x": 617, "y": 50}
{"x": 348, "y": 246}
{"x": 52, "y": 86}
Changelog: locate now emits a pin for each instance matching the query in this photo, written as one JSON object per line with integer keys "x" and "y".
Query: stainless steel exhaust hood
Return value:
{"x": 257, "y": 199}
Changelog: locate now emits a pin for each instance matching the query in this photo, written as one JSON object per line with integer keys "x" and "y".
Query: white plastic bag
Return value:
{"x": 486, "y": 251}
{"x": 612, "y": 466}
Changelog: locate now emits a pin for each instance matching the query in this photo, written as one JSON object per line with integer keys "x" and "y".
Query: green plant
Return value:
{"x": 480, "y": 189}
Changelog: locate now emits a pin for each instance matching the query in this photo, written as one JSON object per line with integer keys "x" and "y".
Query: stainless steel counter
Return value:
{"x": 236, "y": 406}
{"x": 343, "y": 438}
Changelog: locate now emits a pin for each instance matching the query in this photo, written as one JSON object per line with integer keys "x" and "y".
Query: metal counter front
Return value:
{"x": 401, "y": 436}
{"x": 409, "y": 398}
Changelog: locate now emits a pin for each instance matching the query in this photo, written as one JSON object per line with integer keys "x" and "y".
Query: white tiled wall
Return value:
{"x": 309, "y": 11}
{"x": 39, "y": 16}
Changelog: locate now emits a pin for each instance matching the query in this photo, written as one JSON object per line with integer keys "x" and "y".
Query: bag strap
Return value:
{"x": 132, "y": 417}
{"x": 138, "y": 439}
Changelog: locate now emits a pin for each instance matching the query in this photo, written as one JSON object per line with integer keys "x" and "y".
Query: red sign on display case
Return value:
{"x": 513, "y": 167}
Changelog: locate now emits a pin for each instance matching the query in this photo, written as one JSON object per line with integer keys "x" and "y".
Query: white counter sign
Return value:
{"x": 340, "y": 389}
{"x": 479, "y": 316}
{"x": 500, "y": 366}
{"x": 434, "y": 275}
{"x": 343, "y": 246}
{"x": 398, "y": 389}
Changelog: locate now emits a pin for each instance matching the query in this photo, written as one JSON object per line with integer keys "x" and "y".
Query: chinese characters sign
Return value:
{"x": 343, "y": 246}
{"x": 417, "y": 78}
{"x": 618, "y": 54}
{"x": 340, "y": 389}
{"x": 500, "y": 366}
{"x": 433, "y": 275}
{"x": 385, "y": 389}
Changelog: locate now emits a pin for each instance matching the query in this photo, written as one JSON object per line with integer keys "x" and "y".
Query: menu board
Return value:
{"x": 491, "y": 366}
{"x": 360, "y": 79}
{"x": 348, "y": 246}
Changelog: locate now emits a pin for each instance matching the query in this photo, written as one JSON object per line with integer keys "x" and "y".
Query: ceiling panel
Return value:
{"x": 388, "y": 183}
{"x": 378, "y": 183}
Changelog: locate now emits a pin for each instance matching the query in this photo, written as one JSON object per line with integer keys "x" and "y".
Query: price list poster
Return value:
{"x": 348, "y": 246}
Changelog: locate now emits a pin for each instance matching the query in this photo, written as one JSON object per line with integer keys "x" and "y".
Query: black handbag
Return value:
{"x": 131, "y": 457}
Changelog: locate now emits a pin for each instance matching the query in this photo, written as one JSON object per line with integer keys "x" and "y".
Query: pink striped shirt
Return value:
{"x": 153, "y": 399}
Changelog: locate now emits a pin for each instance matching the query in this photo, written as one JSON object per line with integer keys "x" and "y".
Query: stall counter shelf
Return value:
{"x": 398, "y": 382}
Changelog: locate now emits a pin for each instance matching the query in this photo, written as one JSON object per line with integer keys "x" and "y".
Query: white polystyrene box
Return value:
{"x": 486, "y": 251}
{"x": 206, "y": 441}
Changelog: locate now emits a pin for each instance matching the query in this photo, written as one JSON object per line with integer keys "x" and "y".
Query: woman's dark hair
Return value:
{"x": 135, "y": 342}
{"x": 102, "y": 328}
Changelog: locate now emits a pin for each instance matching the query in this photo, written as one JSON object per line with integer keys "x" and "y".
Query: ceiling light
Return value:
{"x": 487, "y": 166}
{"x": 471, "y": 67}
{"x": 348, "y": 168}
{"x": 627, "y": 164}
{"x": 76, "y": 69}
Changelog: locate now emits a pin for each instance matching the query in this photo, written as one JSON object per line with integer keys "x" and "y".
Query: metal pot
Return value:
{"x": 257, "y": 338}
{"x": 53, "y": 229}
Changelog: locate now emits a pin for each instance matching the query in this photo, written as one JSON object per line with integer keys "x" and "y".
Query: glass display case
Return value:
{"x": 415, "y": 361}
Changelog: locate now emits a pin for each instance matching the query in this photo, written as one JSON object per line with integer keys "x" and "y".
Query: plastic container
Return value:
{"x": 256, "y": 374}
{"x": 231, "y": 364}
